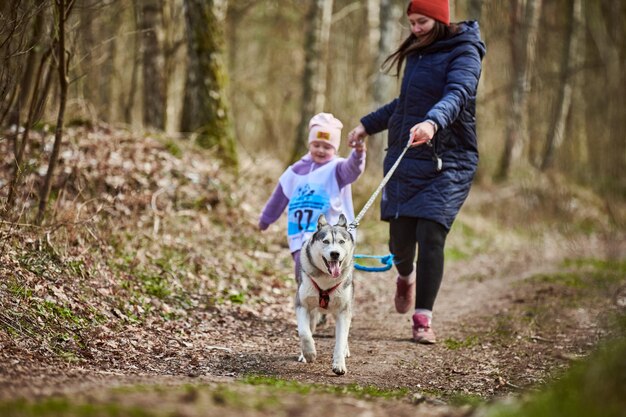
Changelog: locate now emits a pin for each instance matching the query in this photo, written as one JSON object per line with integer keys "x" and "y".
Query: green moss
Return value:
{"x": 237, "y": 298}
{"x": 173, "y": 148}
{"x": 19, "y": 291}
{"x": 459, "y": 400}
{"x": 354, "y": 390}
{"x": 593, "y": 388}
{"x": 67, "y": 408}
{"x": 454, "y": 344}
{"x": 593, "y": 275}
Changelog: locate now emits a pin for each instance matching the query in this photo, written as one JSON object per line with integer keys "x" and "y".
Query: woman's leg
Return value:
{"x": 402, "y": 246}
{"x": 431, "y": 239}
{"x": 402, "y": 240}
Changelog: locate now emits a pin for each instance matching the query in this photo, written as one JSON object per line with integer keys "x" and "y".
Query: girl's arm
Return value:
{"x": 351, "y": 168}
{"x": 273, "y": 208}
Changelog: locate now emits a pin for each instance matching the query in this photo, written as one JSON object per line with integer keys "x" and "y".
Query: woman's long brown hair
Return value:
{"x": 412, "y": 43}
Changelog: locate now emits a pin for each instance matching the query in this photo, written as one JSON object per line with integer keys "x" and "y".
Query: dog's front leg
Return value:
{"x": 342, "y": 329}
{"x": 306, "y": 336}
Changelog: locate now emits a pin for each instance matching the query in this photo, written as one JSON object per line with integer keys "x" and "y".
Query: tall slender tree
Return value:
{"x": 317, "y": 21}
{"x": 525, "y": 26}
{"x": 153, "y": 66}
{"x": 205, "y": 110}
{"x": 384, "y": 83}
{"x": 569, "y": 63}
{"x": 63, "y": 9}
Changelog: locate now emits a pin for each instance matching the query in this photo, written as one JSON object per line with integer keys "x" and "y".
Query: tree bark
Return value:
{"x": 607, "y": 124}
{"x": 385, "y": 85}
{"x": 569, "y": 62}
{"x": 318, "y": 19}
{"x": 474, "y": 9}
{"x": 526, "y": 15}
{"x": 206, "y": 110}
{"x": 63, "y": 8}
{"x": 153, "y": 65}
{"x": 20, "y": 146}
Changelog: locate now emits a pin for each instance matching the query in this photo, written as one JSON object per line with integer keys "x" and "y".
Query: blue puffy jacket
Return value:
{"x": 439, "y": 83}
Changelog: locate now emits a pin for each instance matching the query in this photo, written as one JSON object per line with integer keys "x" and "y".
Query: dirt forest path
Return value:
{"x": 476, "y": 297}
{"x": 500, "y": 329}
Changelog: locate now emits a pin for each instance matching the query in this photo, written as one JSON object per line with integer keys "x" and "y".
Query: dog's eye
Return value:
{"x": 326, "y": 242}
{"x": 341, "y": 242}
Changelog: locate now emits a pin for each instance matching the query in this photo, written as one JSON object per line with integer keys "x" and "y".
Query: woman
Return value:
{"x": 436, "y": 112}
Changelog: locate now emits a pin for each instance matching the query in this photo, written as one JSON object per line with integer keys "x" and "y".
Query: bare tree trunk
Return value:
{"x": 526, "y": 14}
{"x": 607, "y": 123}
{"x": 63, "y": 8}
{"x": 20, "y": 146}
{"x": 318, "y": 19}
{"x": 374, "y": 27}
{"x": 385, "y": 85}
{"x": 173, "y": 51}
{"x": 474, "y": 9}
{"x": 569, "y": 62}
{"x": 33, "y": 57}
{"x": 128, "y": 103}
{"x": 153, "y": 65}
{"x": 206, "y": 111}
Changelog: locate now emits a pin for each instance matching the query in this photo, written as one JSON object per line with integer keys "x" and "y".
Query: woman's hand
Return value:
{"x": 356, "y": 138}
{"x": 421, "y": 133}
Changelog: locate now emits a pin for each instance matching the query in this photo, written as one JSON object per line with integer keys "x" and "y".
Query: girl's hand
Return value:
{"x": 421, "y": 133}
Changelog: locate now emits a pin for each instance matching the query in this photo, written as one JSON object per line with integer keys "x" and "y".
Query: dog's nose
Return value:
{"x": 334, "y": 256}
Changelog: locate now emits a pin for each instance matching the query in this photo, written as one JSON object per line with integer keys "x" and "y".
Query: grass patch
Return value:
{"x": 67, "y": 408}
{"x": 592, "y": 388}
{"x": 598, "y": 276}
{"x": 453, "y": 344}
{"x": 459, "y": 400}
{"x": 353, "y": 390}
{"x": 173, "y": 148}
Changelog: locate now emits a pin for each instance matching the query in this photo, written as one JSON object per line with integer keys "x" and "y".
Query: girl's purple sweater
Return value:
{"x": 348, "y": 171}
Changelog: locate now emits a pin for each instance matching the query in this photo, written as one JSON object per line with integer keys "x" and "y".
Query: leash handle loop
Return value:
{"x": 386, "y": 260}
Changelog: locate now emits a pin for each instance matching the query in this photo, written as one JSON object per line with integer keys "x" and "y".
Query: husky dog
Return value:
{"x": 325, "y": 286}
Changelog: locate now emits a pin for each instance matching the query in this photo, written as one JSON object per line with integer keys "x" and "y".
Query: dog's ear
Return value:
{"x": 321, "y": 221}
{"x": 343, "y": 222}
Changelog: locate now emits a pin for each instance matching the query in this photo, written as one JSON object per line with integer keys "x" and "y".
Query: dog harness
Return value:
{"x": 324, "y": 294}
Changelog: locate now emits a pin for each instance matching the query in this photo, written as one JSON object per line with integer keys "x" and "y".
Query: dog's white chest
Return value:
{"x": 326, "y": 301}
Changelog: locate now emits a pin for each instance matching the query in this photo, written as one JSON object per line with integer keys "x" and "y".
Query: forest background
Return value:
{"x": 246, "y": 76}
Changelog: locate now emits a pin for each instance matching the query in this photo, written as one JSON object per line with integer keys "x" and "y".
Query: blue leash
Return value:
{"x": 386, "y": 260}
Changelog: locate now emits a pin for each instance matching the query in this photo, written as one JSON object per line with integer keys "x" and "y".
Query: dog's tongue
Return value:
{"x": 334, "y": 269}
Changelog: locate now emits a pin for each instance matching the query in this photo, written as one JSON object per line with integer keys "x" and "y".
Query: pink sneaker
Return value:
{"x": 405, "y": 295}
{"x": 422, "y": 332}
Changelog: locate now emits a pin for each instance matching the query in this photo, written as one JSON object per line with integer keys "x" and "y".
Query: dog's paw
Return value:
{"x": 301, "y": 358}
{"x": 309, "y": 357}
{"x": 339, "y": 367}
{"x": 308, "y": 350}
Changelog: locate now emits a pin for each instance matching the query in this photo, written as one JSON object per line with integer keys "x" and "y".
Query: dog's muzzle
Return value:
{"x": 334, "y": 267}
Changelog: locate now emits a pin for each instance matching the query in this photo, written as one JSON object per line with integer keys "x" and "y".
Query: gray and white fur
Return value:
{"x": 326, "y": 260}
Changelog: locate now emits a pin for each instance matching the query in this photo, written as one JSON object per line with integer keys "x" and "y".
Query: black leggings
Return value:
{"x": 430, "y": 237}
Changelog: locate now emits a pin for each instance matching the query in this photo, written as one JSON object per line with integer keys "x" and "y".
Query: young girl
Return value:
{"x": 317, "y": 184}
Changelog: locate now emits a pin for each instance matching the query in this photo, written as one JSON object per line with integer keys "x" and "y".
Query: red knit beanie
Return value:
{"x": 436, "y": 9}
